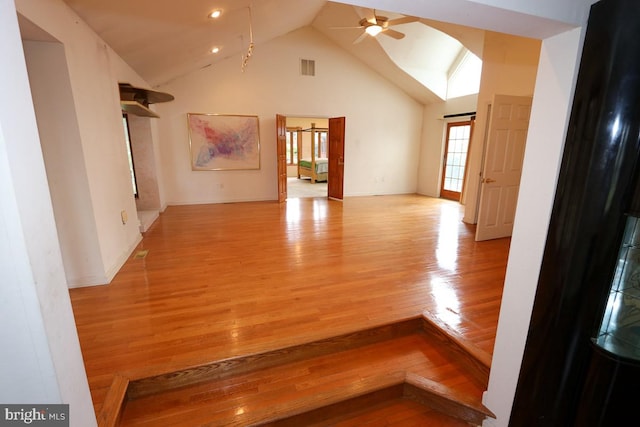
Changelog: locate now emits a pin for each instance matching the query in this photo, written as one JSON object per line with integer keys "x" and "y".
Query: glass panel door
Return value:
{"x": 455, "y": 160}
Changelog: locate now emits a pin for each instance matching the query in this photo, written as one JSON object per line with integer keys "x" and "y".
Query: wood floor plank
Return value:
{"x": 222, "y": 281}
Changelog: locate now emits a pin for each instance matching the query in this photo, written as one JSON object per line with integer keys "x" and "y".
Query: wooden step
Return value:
{"x": 399, "y": 361}
{"x": 428, "y": 394}
{"x": 476, "y": 361}
{"x": 389, "y": 411}
{"x": 143, "y": 384}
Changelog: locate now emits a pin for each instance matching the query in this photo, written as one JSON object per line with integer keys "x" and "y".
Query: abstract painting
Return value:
{"x": 224, "y": 142}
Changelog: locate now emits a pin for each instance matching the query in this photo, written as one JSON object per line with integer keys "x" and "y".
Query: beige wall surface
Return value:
{"x": 94, "y": 71}
{"x": 509, "y": 67}
{"x": 383, "y": 124}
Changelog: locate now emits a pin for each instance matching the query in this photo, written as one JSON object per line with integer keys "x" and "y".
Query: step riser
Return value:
{"x": 337, "y": 409}
{"x": 404, "y": 385}
{"x": 475, "y": 361}
{"x": 146, "y": 385}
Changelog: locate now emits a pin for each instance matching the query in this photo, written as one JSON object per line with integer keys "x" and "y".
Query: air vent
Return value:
{"x": 307, "y": 67}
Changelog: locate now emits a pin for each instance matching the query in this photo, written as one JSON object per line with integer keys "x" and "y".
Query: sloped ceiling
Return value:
{"x": 166, "y": 39}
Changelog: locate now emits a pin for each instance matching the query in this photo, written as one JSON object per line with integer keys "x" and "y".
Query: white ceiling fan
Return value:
{"x": 378, "y": 24}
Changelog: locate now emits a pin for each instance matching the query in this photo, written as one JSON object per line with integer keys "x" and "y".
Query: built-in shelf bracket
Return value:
{"x": 134, "y": 100}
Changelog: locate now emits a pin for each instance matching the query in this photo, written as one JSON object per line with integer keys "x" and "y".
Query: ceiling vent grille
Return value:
{"x": 307, "y": 67}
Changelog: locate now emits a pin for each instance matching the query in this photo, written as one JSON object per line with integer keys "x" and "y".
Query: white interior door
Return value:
{"x": 500, "y": 182}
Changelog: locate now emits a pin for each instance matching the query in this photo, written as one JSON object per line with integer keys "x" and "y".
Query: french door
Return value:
{"x": 455, "y": 159}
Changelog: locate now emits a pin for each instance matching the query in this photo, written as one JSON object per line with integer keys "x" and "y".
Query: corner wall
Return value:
{"x": 41, "y": 358}
{"x": 543, "y": 154}
{"x": 94, "y": 71}
{"x": 63, "y": 155}
{"x": 433, "y": 136}
{"x": 509, "y": 67}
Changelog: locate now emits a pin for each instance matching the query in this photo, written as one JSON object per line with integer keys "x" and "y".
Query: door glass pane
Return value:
{"x": 292, "y": 147}
{"x": 457, "y": 147}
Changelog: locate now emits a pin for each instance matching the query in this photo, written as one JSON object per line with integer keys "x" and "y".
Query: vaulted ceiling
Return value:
{"x": 165, "y": 39}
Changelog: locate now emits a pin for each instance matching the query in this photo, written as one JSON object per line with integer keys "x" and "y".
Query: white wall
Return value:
{"x": 95, "y": 70}
{"x": 64, "y": 161}
{"x": 383, "y": 124}
{"x": 509, "y": 67}
{"x": 40, "y": 356}
{"x": 551, "y": 108}
{"x": 433, "y": 136}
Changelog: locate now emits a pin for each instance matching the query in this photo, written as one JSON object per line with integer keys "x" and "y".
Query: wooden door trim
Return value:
{"x": 448, "y": 194}
{"x": 281, "y": 150}
{"x": 335, "y": 184}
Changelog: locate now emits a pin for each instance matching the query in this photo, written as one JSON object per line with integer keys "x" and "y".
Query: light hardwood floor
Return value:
{"x": 234, "y": 279}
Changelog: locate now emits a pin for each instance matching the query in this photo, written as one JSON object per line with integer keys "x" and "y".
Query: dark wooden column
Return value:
{"x": 596, "y": 182}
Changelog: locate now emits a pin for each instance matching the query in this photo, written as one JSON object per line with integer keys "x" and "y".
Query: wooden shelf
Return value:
{"x": 133, "y": 107}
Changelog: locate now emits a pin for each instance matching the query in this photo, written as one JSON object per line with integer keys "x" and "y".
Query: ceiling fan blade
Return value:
{"x": 373, "y": 20}
{"x": 345, "y": 28}
{"x": 393, "y": 34}
{"x": 359, "y": 39}
{"x": 405, "y": 20}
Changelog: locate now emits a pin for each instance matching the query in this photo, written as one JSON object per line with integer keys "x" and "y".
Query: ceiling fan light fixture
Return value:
{"x": 373, "y": 30}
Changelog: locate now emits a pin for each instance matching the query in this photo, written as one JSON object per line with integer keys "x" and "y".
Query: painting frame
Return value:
{"x": 223, "y": 141}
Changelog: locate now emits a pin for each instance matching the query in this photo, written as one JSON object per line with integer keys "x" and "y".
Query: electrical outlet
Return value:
{"x": 124, "y": 217}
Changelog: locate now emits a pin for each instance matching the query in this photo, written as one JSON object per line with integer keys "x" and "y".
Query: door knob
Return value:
{"x": 488, "y": 180}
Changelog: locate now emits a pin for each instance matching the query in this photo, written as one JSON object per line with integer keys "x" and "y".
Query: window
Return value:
{"x": 455, "y": 160}
{"x": 125, "y": 123}
{"x": 292, "y": 145}
{"x": 464, "y": 76}
{"x": 321, "y": 145}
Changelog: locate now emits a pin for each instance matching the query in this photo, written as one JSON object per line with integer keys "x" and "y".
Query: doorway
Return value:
{"x": 304, "y": 157}
{"x": 142, "y": 167}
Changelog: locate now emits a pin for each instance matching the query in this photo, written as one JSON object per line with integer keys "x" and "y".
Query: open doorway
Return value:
{"x": 142, "y": 168}
{"x": 310, "y": 157}
{"x": 307, "y": 157}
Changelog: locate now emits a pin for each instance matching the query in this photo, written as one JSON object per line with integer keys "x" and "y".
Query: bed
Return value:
{"x": 316, "y": 169}
{"x": 315, "y": 164}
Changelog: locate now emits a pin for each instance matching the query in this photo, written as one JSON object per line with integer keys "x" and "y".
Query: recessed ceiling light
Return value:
{"x": 215, "y": 49}
{"x": 215, "y": 14}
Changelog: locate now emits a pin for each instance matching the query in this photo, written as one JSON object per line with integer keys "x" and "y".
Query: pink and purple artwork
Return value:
{"x": 224, "y": 142}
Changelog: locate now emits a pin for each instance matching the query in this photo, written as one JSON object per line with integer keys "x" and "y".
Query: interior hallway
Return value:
{"x": 230, "y": 279}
